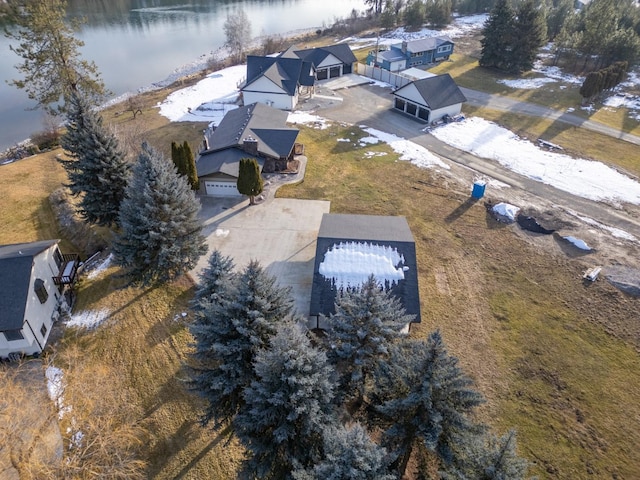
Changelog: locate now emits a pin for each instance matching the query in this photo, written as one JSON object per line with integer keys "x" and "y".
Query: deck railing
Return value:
{"x": 68, "y": 273}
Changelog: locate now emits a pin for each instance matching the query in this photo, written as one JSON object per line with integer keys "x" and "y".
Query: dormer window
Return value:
{"x": 41, "y": 290}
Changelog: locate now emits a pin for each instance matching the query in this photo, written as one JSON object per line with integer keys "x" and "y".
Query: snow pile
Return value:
{"x": 106, "y": 263}
{"x": 506, "y": 210}
{"x": 584, "y": 178}
{"x": 581, "y": 244}
{"x": 350, "y": 264}
{"x": 220, "y": 232}
{"x": 88, "y": 318}
{"x": 206, "y": 101}
{"x": 407, "y": 150}
{"x": 306, "y": 118}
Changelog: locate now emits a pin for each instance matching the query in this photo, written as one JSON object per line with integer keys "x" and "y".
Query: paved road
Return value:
{"x": 371, "y": 106}
{"x": 498, "y": 102}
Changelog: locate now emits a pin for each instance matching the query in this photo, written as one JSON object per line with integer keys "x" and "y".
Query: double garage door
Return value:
{"x": 221, "y": 189}
{"x": 329, "y": 72}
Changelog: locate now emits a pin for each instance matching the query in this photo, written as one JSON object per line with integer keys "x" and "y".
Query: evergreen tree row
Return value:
{"x": 512, "y": 38}
{"x": 182, "y": 157}
{"x": 605, "y": 79}
{"x": 304, "y": 406}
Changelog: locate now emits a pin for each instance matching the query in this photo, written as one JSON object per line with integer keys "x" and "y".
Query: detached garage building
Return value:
{"x": 254, "y": 131}
{"x": 430, "y": 99}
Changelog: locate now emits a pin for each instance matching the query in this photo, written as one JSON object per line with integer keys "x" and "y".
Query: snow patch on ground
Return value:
{"x": 615, "y": 232}
{"x": 106, "y": 263}
{"x": 350, "y": 264}
{"x": 369, "y": 140}
{"x": 347, "y": 140}
{"x": 407, "y": 150}
{"x": 220, "y": 232}
{"x": 88, "y": 319}
{"x": 581, "y": 244}
{"x": 527, "y": 83}
{"x": 55, "y": 388}
{"x": 629, "y": 102}
{"x": 584, "y": 178}
{"x": 206, "y": 101}
{"x": 374, "y": 154}
{"x": 306, "y": 118}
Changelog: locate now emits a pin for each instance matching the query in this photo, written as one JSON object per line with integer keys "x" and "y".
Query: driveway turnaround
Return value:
{"x": 279, "y": 233}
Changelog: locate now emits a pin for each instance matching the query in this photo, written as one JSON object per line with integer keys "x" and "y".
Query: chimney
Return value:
{"x": 404, "y": 47}
{"x": 250, "y": 145}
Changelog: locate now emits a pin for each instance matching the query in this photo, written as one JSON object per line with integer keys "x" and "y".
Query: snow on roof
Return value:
{"x": 206, "y": 101}
{"x": 584, "y": 178}
{"x": 350, "y": 264}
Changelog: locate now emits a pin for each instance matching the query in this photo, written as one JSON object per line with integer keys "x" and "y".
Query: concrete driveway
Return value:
{"x": 280, "y": 233}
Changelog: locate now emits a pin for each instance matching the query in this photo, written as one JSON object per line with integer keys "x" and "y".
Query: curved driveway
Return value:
{"x": 371, "y": 106}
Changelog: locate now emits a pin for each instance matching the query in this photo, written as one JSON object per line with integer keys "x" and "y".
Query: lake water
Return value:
{"x": 135, "y": 43}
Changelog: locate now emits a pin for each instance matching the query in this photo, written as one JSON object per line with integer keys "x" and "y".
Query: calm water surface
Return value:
{"x": 136, "y": 42}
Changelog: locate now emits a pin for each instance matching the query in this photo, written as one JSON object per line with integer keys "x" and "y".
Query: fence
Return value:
{"x": 382, "y": 75}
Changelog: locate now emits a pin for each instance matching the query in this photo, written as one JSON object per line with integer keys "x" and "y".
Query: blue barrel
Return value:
{"x": 478, "y": 189}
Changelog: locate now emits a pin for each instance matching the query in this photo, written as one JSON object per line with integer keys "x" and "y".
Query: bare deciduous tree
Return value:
{"x": 237, "y": 28}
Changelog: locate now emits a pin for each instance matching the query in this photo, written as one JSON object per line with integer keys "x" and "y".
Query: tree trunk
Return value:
{"x": 252, "y": 200}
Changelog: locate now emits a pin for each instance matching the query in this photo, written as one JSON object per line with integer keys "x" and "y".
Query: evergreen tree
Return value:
{"x": 388, "y": 16}
{"x": 488, "y": 457}
{"x": 367, "y": 320}
{"x": 426, "y": 397}
{"x": 190, "y": 164}
{"x": 288, "y": 406}
{"x": 52, "y": 68}
{"x": 414, "y": 14}
{"x": 530, "y": 33}
{"x": 215, "y": 279}
{"x": 591, "y": 86}
{"x": 558, "y": 15}
{"x": 98, "y": 172}
{"x": 249, "y": 179}
{"x": 349, "y": 454}
{"x": 497, "y": 37}
{"x": 161, "y": 236}
{"x": 177, "y": 158}
{"x": 229, "y": 332}
{"x": 438, "y": 12}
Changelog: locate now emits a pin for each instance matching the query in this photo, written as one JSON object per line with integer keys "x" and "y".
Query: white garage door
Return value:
{"x": 222, "y": 189}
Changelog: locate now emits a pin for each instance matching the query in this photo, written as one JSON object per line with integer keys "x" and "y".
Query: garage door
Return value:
{"x": 222, "y": 189}
{"x": 322, "y": 74}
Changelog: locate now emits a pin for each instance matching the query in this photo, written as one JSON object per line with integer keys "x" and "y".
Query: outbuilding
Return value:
{"x": 429, "y": 99}
{"x": 350, "y": 248}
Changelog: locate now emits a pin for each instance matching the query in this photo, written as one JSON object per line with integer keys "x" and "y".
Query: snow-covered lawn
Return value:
{"x": 584, "y": 178}
{"x": 206, "y": 101}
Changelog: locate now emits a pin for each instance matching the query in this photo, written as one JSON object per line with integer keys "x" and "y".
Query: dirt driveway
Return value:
{"x": 280, "y": 233}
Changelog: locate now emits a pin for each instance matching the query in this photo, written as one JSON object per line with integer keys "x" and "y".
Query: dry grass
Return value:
{"x": 523, "y": 325}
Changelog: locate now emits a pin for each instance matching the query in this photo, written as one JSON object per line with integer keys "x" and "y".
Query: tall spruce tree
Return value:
{"x": 497, "y": 37}
{"x": 98, "y": 173}
{"x": 228, "y": 332}
{"x": 349, "y": 454}
{"x": 52, "y": 68}
{"x": 530, "y": 33}
{"x": 427, "y": 398}
{"x": 367, "y": 320}
{"x": 161, "y": 235}
{"x": 249, "y": 179}
{"x": 287, "y": 406}
{"x": 214, "y": 280}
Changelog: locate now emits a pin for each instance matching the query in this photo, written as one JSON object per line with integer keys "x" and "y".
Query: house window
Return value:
{"x": 400, "y": 104}
{"x": 444, "y": 48}
{"x": 13, "y": 335}
{"x": 43, "y": 330}
{"x": 415, "y": 62}
{"x": 417, "y": 54}
{"x": 40, "y": 290}
{"x": 411, "y": 108}
{"x": 57, "y": 256}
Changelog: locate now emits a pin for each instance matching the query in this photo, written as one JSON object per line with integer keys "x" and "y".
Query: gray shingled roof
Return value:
{"x": 392, "y": 55}
{"x": 265, "y": 124}
{"x": 285, "y": 70}
{"x": 425, "y": 44}
{"x": 341, "y": 51}
{"x": 16, "y": 264}
{"x": 386, "y": 231}
{"x": 438, "y": 92}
